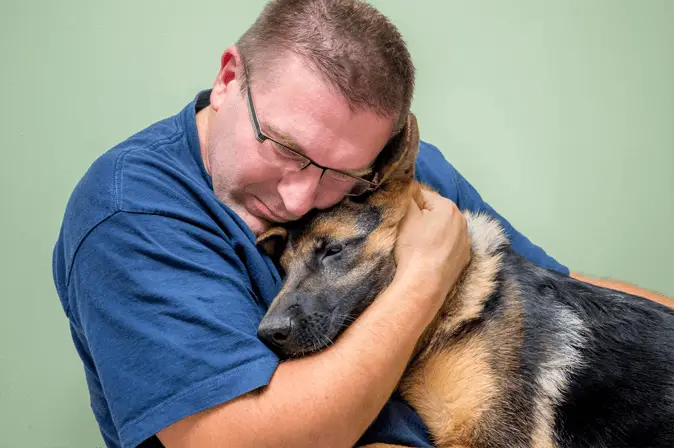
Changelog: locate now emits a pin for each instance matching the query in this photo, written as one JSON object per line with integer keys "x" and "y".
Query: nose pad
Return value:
{"x": 275, "y": 330}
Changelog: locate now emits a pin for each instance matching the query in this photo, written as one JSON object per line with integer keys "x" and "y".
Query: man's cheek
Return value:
{"x": 326, "y": 199}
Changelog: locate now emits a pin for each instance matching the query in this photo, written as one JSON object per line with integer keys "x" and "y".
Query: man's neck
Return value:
{"x": 203, "y": 120}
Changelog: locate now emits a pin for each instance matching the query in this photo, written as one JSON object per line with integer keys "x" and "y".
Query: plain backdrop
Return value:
{"x": 560, "y": 113}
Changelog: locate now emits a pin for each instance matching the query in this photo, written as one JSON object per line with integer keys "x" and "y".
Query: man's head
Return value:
{"x": 331, "y": 79}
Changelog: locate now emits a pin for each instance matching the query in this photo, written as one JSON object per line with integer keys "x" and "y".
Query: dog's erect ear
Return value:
{"x": 273, "y": 241}
{"x": 396, "y": 161}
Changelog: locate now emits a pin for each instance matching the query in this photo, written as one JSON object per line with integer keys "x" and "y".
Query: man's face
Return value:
{"x": 292, "y": 105}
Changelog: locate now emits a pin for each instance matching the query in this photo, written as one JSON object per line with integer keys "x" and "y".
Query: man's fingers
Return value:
{"x": 413, "y": 210}
{"x": 430, "y": 198}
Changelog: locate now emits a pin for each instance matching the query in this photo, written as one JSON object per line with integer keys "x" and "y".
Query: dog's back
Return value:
{"x": 618, "y": 386}
{"x": 553, "y": 361}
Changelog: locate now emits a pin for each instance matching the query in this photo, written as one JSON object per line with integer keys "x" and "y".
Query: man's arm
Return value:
{"x": 626, "y": 288}
{"x": 329, "y": 399}
{"x": 325, "y": 400}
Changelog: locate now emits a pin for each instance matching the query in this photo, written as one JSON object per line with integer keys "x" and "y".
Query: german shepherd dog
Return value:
{"x": 517, "y": 356}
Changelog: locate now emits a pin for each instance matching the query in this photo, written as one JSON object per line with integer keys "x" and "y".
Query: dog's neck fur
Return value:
{"x": 467, "y": 299}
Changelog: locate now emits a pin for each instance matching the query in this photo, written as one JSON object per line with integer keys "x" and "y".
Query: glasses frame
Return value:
{"x": 261, "y": 137}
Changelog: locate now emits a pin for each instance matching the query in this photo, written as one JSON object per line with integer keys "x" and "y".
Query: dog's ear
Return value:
{"x": 273, "y": 241}
{"x": 396, "y": 161}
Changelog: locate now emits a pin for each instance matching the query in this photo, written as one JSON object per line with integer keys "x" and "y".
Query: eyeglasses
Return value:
{"x": 290, "y": 160}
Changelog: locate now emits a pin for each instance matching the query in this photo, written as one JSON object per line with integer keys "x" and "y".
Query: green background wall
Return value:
{"x": 561, "y": 113}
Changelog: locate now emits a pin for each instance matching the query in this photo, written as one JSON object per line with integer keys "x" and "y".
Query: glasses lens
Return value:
{"x": 348, "y": 184}
{"x": 359, "y": 188}
{"x": 281, "y": 156}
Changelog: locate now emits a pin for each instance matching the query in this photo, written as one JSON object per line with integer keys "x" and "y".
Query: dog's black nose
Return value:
{"x": 275, "y": 330}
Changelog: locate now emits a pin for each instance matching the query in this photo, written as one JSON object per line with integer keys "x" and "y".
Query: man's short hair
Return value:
{"x": 351, "y": 45}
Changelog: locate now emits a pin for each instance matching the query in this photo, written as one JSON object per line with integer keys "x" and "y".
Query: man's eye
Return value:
{"x": 286, "y": 153}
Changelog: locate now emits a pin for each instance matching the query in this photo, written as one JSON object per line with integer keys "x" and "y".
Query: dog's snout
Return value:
{"x": 275, "y": 330}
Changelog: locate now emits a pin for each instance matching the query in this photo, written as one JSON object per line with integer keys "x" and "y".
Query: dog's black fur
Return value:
{"x": 622, "y": 392}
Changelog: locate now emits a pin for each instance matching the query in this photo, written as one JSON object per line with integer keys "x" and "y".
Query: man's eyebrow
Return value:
{"x": 284, "y": 138}
{"x": 288, "y": 141}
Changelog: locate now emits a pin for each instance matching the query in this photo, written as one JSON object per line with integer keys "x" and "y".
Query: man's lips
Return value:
{"x": 268, "y": 214}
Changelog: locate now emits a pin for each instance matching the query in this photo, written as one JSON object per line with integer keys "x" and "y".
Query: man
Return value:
{"x": 157, "y": 269}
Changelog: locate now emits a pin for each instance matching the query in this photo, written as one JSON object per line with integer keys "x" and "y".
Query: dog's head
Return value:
{"x": 336, "y": 261}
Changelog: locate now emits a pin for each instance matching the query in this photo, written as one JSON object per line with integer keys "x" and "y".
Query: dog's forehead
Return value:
{"x": 343, "y": 222}
{"x": 347, "y": 221}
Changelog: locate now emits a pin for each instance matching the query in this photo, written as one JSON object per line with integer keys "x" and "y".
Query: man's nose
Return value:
{"x": 298, "y": 190}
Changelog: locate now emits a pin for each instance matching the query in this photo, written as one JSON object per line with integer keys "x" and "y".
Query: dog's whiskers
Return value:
{"x": 328, "y": 342}
{"x": 348, "y": 320}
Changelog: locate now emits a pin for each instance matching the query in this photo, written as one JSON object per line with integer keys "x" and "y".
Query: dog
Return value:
{"x": 517, "y": 356}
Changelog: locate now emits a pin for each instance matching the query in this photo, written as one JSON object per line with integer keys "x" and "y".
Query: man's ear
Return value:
{"x": 273, "y": 241}
{"x": 231, "y": 68}
{"x": 396, "y": 161}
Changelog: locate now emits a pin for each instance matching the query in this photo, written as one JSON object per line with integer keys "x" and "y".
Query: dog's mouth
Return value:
{"x": 306, "y": 323}
{"x": 314, "y": 333}
{"x": 299, "y": 334}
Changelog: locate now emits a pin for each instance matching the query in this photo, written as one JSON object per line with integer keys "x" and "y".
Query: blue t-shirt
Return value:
{"x": 164, "y": 287}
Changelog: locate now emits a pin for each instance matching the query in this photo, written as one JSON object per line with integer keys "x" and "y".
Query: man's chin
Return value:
{"x": 257, "y": 225}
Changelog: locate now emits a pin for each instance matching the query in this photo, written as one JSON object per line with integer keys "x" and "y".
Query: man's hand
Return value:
{"x": 433, "y": 248}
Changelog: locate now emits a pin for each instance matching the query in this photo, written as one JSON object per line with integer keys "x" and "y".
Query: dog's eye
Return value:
{"x": 333, "y": 250}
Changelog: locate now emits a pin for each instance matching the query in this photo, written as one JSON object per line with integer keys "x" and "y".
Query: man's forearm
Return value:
{"x": 626, "y": 288}
{"x": 326, "y": 400}
{"x": 344, "y": 389}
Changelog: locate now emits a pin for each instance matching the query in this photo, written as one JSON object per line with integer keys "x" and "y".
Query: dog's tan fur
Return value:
{"x": 453, "y": 409}
{"x": 338, "y": 228}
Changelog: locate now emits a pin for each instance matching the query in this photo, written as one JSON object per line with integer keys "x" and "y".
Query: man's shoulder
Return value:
{"x": 155, "y": 171}
{"x": 433, "y": 169}
{"x": 108, "y": 184}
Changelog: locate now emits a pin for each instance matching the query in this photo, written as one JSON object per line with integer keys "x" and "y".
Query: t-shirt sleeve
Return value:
{"x": 167, "y": 315}
{"x": 434, "y": 170}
